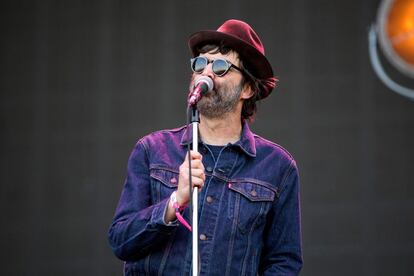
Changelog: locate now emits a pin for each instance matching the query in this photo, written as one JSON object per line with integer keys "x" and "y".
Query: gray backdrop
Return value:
{"x": 81, "y": 81}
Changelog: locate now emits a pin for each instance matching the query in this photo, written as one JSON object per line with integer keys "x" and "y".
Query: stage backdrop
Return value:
{"x": 81, "y": 81}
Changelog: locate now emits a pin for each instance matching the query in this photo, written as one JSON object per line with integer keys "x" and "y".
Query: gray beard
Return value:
{"x": 223, "y": 100}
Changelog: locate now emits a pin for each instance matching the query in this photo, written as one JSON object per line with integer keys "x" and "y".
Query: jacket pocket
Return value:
{"x": 163, "y": 182}
{"x": 248, "y": 204}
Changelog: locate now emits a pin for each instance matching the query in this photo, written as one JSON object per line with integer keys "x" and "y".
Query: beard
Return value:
{"x": 220, "y": 101}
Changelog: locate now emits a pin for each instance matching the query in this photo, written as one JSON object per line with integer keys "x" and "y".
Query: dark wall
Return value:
{"x": 81, "y": 81}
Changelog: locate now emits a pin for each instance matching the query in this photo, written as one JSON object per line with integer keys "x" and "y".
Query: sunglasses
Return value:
{"x": 220, "y": 66}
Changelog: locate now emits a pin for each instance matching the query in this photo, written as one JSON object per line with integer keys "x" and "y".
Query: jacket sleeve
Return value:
{"x": 282, "y": 254}
{"x": 138, "y": 225}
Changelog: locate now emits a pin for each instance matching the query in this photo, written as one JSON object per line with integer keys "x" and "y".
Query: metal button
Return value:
{"x": 203, "y": 237}
{"x": 209, "y": 169}
{"x": 253, "y": 193}
{"x": 209, "y": 199}
{"x": 173, "y": 180}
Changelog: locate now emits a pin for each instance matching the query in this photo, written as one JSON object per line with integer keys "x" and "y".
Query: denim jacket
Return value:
{"x": 249, "y": 209}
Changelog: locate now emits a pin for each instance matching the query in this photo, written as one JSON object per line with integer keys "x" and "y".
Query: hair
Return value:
{"x": 249, "y": 108}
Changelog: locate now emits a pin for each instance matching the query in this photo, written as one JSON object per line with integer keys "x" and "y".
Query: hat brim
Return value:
{"x": 253, "y": 60}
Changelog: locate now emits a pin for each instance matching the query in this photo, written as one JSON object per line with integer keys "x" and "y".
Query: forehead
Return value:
{"x": 231, "y": 56}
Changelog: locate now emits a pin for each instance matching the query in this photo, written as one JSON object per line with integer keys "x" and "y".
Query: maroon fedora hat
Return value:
{"x": 239, "y": 36}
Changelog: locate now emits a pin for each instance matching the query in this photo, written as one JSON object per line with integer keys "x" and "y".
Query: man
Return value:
{"x": 249, "y": 210}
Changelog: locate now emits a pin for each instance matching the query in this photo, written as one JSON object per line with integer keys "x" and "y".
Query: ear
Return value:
{"x": 247, "y": 92}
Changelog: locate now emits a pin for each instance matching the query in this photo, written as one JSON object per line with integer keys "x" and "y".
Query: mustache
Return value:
{"x": 216, "y": 86}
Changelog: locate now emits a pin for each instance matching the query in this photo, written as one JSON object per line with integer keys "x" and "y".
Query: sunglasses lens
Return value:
{"x": 199, "y": 64}
{"x": 220, "y": 67}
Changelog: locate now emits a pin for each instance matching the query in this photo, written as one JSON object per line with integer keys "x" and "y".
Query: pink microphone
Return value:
{"x": 202, "y": 85}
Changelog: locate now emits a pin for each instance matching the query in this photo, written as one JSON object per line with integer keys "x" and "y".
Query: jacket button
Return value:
{"x": 253, "y": 193}
{"x": 209, "y": 169}
{"x": 173, "y": 180}
{"x": 203, "y": 237}
{"x": 209, "y": 199}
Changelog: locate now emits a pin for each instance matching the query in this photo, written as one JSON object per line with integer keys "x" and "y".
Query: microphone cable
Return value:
{"x": 189, "y": 115}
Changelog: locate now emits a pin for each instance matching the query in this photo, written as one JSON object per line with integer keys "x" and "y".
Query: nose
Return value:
{"x": 208, "y": 71}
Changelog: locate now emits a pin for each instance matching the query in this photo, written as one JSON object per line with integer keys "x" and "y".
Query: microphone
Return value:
{"x": 202, "y": 85}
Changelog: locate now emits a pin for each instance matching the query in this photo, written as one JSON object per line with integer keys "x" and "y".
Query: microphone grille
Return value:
{"x": 207, "y": 80}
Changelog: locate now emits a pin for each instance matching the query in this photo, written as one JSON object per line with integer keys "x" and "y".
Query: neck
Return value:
{"x": 221, "y": 131}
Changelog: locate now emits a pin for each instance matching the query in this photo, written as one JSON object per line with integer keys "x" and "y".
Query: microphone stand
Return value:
{"x": 195, "y": 120}
{"x": 202, "y": 85}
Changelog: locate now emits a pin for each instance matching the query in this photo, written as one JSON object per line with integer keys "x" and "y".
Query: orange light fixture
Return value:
{"x": 396, "y": 33}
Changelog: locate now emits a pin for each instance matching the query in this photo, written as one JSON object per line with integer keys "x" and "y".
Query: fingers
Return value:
{"x": 197, "y": 176}
{"x": 197, "y": 182}
{"x": 199, "y": 173}
{"x": 194, "y": 156}
{"x": 196, "y": 164}
{"x": 196, "y": 173}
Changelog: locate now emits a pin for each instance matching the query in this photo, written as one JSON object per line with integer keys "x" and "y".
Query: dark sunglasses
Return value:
{"x": 220, "y": 66}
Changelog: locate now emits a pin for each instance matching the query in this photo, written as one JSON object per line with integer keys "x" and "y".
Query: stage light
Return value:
{"x": 396, "y": 33}
{"x": 395, "y": 29}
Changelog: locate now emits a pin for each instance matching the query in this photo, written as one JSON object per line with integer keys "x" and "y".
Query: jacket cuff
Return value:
{"x": 158, "y": 215}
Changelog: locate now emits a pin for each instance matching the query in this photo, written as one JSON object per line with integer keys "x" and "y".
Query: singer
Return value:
{"x": 249, "y": 209}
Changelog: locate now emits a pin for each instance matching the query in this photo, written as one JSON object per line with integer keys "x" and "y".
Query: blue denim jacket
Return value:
{"x": 249, "y": 215}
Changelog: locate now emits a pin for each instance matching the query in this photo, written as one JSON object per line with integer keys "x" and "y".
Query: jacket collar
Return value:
{"x": 246, "y": 142}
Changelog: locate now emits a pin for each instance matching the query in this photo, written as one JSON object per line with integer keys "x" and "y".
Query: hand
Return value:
{"x": 197, "y": 177}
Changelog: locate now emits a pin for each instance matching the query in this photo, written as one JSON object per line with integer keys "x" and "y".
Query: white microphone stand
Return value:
{"x": 195, "y": 120}
{"x": 202, "y": 85}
